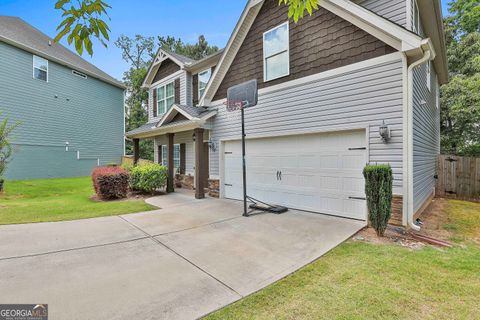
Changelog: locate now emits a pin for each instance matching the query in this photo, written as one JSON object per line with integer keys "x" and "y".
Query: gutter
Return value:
{"x": 428, "y": 54}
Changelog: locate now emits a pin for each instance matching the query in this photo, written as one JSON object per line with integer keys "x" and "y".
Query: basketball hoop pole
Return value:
{"x": 244, "y": 167}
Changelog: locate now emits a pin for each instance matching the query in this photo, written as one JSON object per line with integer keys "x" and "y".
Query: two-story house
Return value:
{"x": 357, "y": 82}
{"x": 70, "y": 114}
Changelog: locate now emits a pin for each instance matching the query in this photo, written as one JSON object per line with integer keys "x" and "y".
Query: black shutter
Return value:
{"x": 177, "y": 91}
{"x": 160, "y": 154}
{"x": 182, "y": 158}
{"x": 195, "y": 89}
{"x": 154, "y": 103}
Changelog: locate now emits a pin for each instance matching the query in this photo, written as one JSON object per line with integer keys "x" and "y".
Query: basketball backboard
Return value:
{"x": 247, "y": 92}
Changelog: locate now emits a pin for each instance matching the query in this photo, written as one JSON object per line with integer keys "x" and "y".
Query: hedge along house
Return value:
{"x": 70, "y": 113}
{"x": 356, "y": 82}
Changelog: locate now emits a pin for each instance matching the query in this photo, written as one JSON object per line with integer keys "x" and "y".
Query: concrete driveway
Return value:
{"x": 181, "y": 262}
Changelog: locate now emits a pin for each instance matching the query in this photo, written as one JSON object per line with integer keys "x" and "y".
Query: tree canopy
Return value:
{"x": 85, "y": 19}
{"x": 460, "y": 98}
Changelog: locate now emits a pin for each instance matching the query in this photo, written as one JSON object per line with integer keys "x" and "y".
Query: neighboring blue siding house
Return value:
{"x": 70, "y": 113}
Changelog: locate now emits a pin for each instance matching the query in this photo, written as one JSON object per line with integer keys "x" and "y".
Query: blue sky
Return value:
{"x": 186, "y": 19}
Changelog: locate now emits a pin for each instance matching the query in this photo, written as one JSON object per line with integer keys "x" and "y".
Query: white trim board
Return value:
{"x": 396, "y": 56}
{"x": 381, "y": 28}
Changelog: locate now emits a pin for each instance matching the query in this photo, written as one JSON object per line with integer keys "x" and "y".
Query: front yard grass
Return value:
{"x": 359, "y": 280}
{"x": 57, "y": 200}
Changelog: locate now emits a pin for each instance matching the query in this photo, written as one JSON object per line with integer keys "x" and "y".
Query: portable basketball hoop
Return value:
{"x": 239, "y": 98}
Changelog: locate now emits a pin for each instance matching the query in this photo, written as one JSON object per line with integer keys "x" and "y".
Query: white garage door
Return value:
{"x": 318, "y": 172}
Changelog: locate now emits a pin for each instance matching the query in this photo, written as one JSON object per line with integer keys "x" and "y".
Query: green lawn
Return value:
{"x": 378, "y": 281}
{"x": 57, "y": 200}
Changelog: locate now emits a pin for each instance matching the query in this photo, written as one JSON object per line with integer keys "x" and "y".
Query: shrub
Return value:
{"x": 2, "y": 182}
{"x": 378, "y": 188}
{"x": 110, "y": 182}
{"x": 148, "y": 177}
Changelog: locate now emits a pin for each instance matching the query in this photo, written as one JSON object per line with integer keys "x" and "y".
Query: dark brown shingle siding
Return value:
{"x": 318, "y": 43}
{"x": 167, "y": 68}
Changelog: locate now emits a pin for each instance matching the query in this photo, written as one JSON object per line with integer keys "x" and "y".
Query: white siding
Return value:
{"x": 360, "y": 98}
{"x": 181, "y": 137}
{"x": 394, "y": 10}
{"x": 426, "y": 135}
{"x": 189, "y": 88}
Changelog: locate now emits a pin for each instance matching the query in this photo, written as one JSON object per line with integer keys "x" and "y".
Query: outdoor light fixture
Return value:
{"x": 212, "y": 145}
{"x": 66, "y": 146}
{"x": 384, "y": 132}
{"x": 193, "y": 137}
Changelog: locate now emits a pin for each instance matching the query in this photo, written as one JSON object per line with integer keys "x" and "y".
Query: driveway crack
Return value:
{"x": 181, "y": 256}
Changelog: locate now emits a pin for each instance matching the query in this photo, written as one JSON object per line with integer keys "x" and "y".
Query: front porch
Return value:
{"x": 181, "y": 143}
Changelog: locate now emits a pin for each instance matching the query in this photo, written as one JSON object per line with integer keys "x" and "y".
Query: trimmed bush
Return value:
{"x": 378, "y": 188}
{"x": 148, "y": 177}
{"x": 110, "y": 182}
{"x": 2, "y": 182}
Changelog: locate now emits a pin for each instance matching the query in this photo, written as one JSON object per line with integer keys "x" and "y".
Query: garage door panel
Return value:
{"x": 318, "y": 172}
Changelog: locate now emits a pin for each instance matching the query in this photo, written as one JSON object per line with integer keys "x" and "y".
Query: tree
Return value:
{"x": 82, "y": 21}
{"x": 86, "y": 16}
{"x": 138, "y": 52}
{"x": 195, "y": 51}
{"x": 460, "y": 98}
{"x": 5, "y": 146}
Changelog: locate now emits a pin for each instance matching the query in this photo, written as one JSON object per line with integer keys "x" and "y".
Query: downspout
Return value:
{"x": 426, "y": 57}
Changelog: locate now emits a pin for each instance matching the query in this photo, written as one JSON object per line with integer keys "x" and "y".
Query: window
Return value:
{"x": 79, "y": 74}
{"x": 437, "y": 93}
{"x": 416, "y": 18}
{"x": 276, "y": 55}
{"x": 165, "y": 98}
{"x": 203, "y": 78}
{"x": 176, "y": 156}
{"x": 429, "y": 76}
{"x": 40, "y": 68}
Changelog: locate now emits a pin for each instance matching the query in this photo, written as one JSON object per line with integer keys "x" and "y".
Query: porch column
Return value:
{"x": 136, "y": 150}
{"x": 199, "y": 164}
{"x": 171, "y": 173}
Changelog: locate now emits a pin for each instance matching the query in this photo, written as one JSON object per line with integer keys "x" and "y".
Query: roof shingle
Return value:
{"x": 17, "y": 32}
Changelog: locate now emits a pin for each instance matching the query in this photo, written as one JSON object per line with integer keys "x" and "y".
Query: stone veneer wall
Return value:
{"x": 214, "y": 188}
{"x": 397, "y": 210}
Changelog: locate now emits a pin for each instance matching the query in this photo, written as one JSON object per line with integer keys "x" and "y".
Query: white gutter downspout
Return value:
{"x": 426, "y": 57}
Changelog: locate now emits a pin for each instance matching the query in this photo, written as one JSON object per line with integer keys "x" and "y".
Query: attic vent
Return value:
{"x": 79, "y": 74}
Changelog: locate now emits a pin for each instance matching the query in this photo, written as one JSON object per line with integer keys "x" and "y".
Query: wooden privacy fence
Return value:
{"x": 458, "y": 177}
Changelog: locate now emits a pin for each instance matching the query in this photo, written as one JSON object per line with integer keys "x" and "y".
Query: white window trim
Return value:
{"x": 165, "y": 155}
{"x": 429, "y": 75}
{"x": 33, "y": 67}
{"x": 206, "y": 70}
{"x": 288, "y": 53}
{"x": 165, "y": 97}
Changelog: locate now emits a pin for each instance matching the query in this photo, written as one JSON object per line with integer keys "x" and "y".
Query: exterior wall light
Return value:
{"x": 66, "y": 146}
{"x": 212, "y": 145}
{"x": 384, "y": 132}
{"x": 193, "y": 137}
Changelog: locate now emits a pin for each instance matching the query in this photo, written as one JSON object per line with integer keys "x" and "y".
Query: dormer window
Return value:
{"x": 40, "y": 68}
{"x": 165, "y": 98}
{"x": 203, "y": 78}
{"x": 276, "y": 55}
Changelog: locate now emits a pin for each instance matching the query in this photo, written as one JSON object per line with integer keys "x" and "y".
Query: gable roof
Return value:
{"x": 193, "y": 117}
{"x": 185, "y": 63}
{"x": 20, "y": 34}
{"x": 383, "y": 29}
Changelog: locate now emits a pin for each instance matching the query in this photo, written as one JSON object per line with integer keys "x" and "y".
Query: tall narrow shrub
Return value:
{"x": 378, "y": 188}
